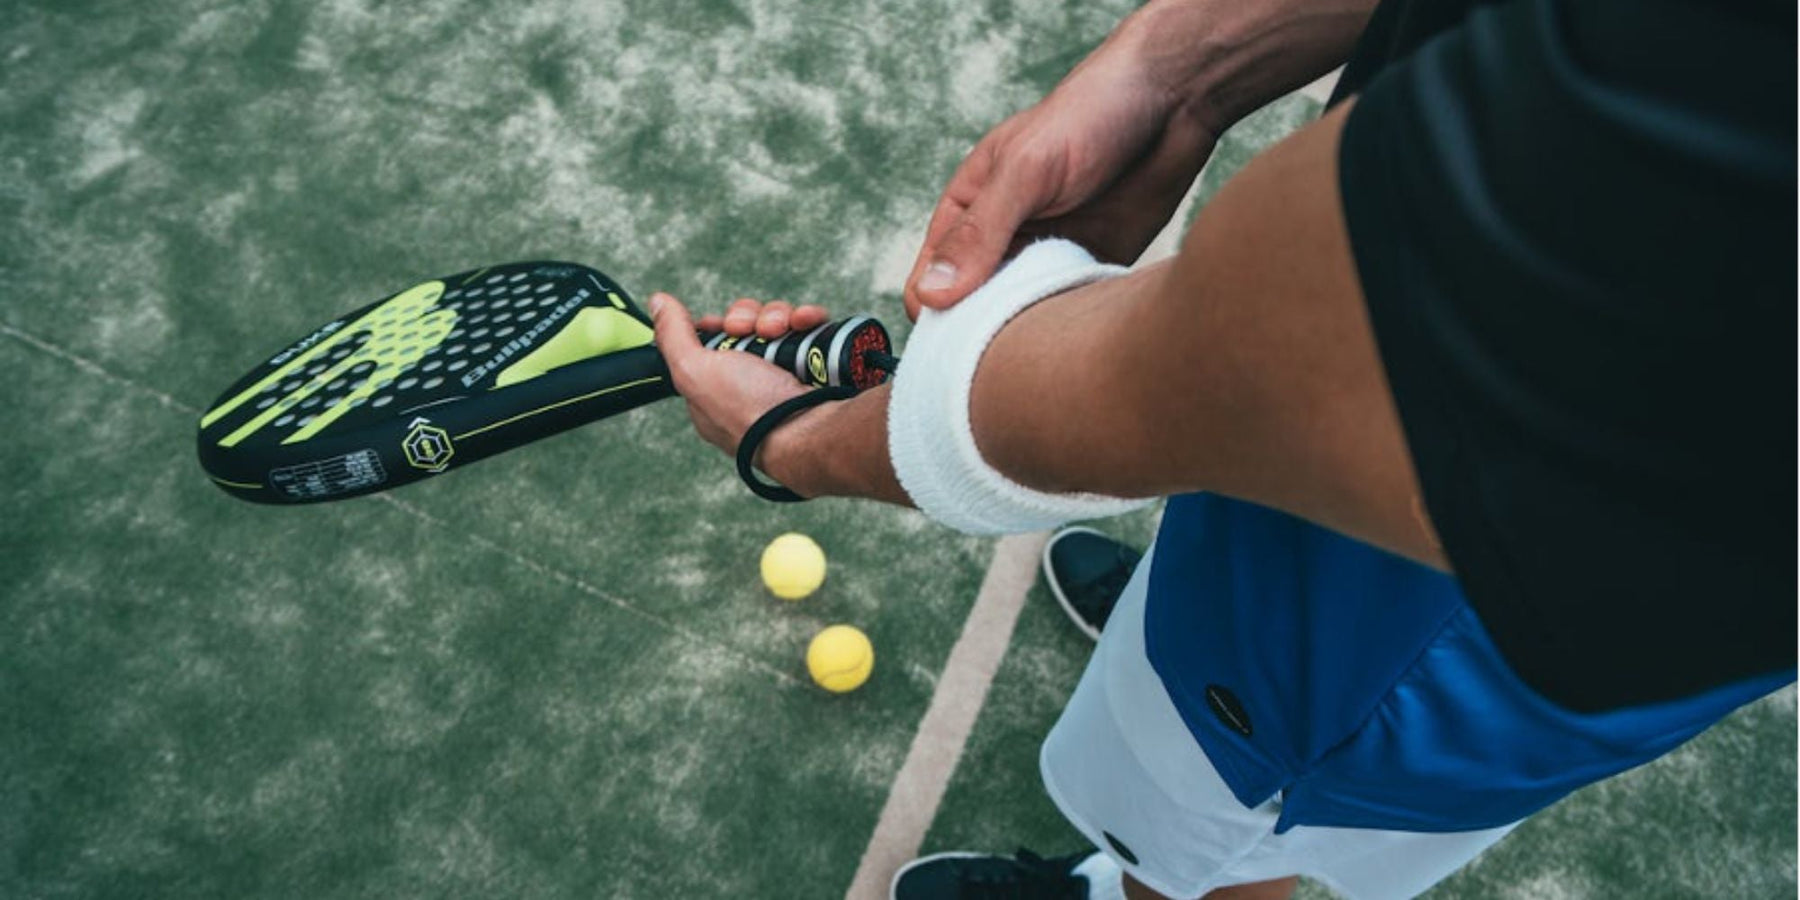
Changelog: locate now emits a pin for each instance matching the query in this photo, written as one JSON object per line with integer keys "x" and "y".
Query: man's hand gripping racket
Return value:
{"x": 460, "y": 368}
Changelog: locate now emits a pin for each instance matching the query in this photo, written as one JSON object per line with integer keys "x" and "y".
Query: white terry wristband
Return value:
{"x": 929, "y": 437}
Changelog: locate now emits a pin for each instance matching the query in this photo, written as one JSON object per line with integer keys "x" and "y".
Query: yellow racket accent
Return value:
{"x": 389, "y": 356}
{"x": 594, "y": 331}
{"x": 560, "y": 404}
{"x": 400, "y": 331}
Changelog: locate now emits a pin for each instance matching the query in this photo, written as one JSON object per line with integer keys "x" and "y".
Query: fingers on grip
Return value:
{"x": 675, "y": 337}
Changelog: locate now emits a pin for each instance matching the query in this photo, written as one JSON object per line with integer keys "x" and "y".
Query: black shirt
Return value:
{"x": 1574, "y": 225}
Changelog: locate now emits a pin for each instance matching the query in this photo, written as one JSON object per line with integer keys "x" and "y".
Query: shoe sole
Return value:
{"x": 1050, "y": 579}
{"x": 894, "y": 883}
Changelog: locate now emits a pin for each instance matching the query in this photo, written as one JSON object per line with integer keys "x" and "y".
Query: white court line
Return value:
{"x": 94, "y": 368}
{"x": 912, "y": 801}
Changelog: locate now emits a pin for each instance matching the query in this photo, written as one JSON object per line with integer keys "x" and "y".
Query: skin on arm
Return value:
{"x": 1245, "y": 366}
{"x": 1105, "y": 158}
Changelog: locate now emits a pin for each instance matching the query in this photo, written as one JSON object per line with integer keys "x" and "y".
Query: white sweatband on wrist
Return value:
{"x": 930, "y": 439}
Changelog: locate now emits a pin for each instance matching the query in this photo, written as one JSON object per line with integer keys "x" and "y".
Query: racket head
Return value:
{"x": 427, "y": 379}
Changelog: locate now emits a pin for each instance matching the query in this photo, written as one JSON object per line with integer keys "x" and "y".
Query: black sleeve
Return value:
{"x": 1574, "y": 226}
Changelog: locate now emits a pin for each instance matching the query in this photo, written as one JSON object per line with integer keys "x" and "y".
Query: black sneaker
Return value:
{"x": 976, "y": 876}
{"x": 1087, "y": 572}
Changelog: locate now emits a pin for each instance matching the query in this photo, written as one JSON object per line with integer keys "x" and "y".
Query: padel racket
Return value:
{"x": 459, "y": 368}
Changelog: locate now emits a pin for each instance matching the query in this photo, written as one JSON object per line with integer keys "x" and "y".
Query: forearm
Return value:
{"x": 1223, "y": 59}
{"x": 837, "y": 450}
{"x": 1244, "y": 366}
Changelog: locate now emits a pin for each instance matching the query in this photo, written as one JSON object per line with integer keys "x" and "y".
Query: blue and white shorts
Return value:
{"x": 1121, "y": 762}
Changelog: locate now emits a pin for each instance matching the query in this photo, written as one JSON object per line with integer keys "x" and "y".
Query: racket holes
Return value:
{"x": 478, "y": 318}
{"x": 504, "y": 332}
{"x": 524, "y": 316}
{"x": 455, "y": 364}
{"x": 452, "y": 294}
{"x": 382, "y": 400}
{"x": 284, "y": 421}
{"x": 454, "y": 335}
{"x": 290, "y": 387}
{"x": 521, "y": 289}
{"x": 547, "y": 301}
{"x": 434, "y": 382}
{"x": 305, "y": 422}
{"x": 481, "y": 348}
{"x": 517, "y": 276}
{"x": 479, "y": 333}
{"x": 494, "y": 278}
{"x": 406, "y": 384}
{"x": 265, "y": 403}
{"x": 431, "y": 367}
{"x": 315, "y": 370}
{"x": 335, "y": 385}
{"x": 310, "y": 402}
{"x": 502, "y": 316}
{"x": 455, "y": 349}
{"x": 358, "y": 402}
{"x": 476, "y": 292}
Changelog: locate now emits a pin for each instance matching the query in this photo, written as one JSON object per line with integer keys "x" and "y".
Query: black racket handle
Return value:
{"x": 853, "y": 352}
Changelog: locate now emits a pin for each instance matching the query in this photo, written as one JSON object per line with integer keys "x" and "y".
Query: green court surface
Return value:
{"x": 553, "y": 674}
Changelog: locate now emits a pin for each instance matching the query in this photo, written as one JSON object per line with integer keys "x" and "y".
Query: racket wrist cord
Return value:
{"x": 767, "y": 423}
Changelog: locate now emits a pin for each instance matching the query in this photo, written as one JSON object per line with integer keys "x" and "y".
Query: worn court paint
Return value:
{"x": 196, "y": 704}
{"x": 962, "y": 689}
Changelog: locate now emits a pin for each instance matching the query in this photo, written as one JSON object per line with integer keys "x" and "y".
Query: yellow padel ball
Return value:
{"x": 840, "y": 658}
{"x": 793, "y": 566}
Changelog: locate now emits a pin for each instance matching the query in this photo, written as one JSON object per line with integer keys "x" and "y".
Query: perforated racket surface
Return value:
{"x": 453, "y": 370}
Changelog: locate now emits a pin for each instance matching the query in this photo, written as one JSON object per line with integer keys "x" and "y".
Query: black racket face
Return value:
{"x": 448, "y": 371}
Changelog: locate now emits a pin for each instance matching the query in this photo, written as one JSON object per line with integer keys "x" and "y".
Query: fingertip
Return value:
{"x": 669, "y": 315}
{"x": 808, "y": 317}
{"x": 938, "y": 300}
{"x": 772, "y": 324}
{"x": 938, "y": 277}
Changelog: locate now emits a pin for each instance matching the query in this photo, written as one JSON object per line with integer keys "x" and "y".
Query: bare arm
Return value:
{"x": 1245, "y": 366}
{"x": 1105, "y": 158}
{"x": 1226, "y": 59}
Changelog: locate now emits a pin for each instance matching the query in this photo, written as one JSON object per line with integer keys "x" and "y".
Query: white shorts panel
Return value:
{"x": 1121, "y": 762}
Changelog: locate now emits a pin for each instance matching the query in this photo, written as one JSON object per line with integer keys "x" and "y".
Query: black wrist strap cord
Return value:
{"x": 753, "y": 438}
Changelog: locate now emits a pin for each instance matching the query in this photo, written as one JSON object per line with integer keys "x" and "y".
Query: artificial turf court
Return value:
{"x": 553, "y": 674}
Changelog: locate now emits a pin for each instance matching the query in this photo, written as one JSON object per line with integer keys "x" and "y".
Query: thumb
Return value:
{"x": 675, "y": 337}
{"x": 967, "y": 253}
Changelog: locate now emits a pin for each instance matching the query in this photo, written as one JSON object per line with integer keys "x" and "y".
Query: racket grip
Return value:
{"x": 853, "y": 352}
